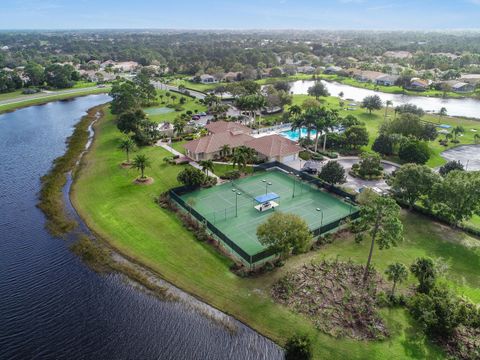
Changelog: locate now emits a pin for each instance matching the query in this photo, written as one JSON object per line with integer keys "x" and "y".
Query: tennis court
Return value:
{"x": 230, "y": 206}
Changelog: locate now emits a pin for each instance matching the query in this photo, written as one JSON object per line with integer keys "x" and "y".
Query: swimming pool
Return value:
{"x": 293, "y": 135}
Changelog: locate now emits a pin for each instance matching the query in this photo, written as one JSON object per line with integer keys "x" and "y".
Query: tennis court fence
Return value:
{"x": 176, "y": 193}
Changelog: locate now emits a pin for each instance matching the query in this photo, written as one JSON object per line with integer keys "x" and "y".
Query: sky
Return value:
{"x": 241, "y": 14}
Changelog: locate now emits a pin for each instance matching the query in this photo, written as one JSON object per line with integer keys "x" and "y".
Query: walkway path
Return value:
{"x": 191, "y": 162}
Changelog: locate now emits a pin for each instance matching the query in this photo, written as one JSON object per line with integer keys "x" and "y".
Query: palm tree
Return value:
{"x": 331, "y": 121}
{"x": 387, "y": 104}
{"x": 242, "y": 156}
{"x": 297, "y": 124}
{"x": 179, "y": 125}
{"x": 476, "y": 137}
{"x": 458, "y": 130}
{"x": 207, "y": 165}
{"x": 140, "y": 163}
{"x": 294, "y": 111}
{"x": 397, "y": 273}
{"x": 127, "y": 145}
{"x": 225, "y": 150}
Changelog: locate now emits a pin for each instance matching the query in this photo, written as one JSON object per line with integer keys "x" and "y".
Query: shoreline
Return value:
{"x": 62, "y": 222}
{"x": 17, "y": 105}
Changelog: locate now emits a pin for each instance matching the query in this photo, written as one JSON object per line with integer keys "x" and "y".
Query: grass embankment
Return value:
{"x": 126, "y": 216}
{"x": 51, "y": 197}
{"x": 42, "y": 98}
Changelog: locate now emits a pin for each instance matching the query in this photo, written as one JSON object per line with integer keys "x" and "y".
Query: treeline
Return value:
{"x": 54, "y": 76}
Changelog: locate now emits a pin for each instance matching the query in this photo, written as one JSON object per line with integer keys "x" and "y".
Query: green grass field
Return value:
{"x": 126, "y": 216}
{"x": 239, "y": 223}
{"x": 161, "y": 113}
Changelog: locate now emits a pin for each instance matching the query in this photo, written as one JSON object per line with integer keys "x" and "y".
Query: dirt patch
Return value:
{"x": 143, "y": 181}
{"x": 465, "y": 344}
{"x": 125, "y": 165}
{"x": 333, "y": 296}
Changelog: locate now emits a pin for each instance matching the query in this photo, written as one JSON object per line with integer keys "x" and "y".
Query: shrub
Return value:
{"x": 450, "y": 166}
{"x": 383, "y": 144}
{"x": 305, "y": 155}
{"x": 298, "y": 347}
{"x": 333, "y": 173}
{"x": 231, "y": 175}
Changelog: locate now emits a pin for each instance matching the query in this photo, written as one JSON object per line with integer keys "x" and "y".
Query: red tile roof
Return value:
{"x": 223, "y": 126}
{"x": 214, "y": 142}
{"x": 274, "y": 145}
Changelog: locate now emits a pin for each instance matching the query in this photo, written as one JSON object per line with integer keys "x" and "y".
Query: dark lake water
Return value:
{"x": 51, "y": 305}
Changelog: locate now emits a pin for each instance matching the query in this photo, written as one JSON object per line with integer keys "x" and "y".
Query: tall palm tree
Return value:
{"x": 298, "y": 124}
{"x": 332, "y": 120}
{"x": 387, "y": 104}
{"x": 294, "y": 111}
{"x": 127, "y": 145}
{"x": 140, "y": 162}
{"x": 207, "y": 165}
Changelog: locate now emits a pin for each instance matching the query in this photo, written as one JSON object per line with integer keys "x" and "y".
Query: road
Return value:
{"x": 46, "y": 95}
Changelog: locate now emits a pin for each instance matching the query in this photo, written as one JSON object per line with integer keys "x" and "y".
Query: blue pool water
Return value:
{"x": 293, "y": 135}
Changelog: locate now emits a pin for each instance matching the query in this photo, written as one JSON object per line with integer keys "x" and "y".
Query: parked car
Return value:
{"x": 195, "y": 117}
{"x": 202, "y": 114}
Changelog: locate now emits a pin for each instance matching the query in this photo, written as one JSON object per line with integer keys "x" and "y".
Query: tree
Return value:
{"x": 397, "y": 273}
{"x": 439, "y": 311}
{"x": 141, "y": 162}
{"x": 380, "y": 219}
{"x": 370, "y": 165}
{"x": 442, "y": 113}
{"x": 191, "y": 176}
{"x": 371, "y": 103}
{"x": 130, "y": 121}
{"x": 298, "y": 347}
{"x": 356, "y": 136}
{"x": 243, "y": 155}
{"x": 207, "y": 165}
{"x": 124, "y": 97}
{"x": 35, "y": 73}
{"x": 412, "y": 181}
{"x": 59, "y": 76}
{"x": 284, "y": 233}
{"x": 424, "y": 271}
{"x": 318, "y": 90}
{"x": 457, "y": 130}
{"x": 333, "y": 173}
{"x": 225, "y": 150}
{"x": 414, "y": 151}
{"x": 145, "y": 90}
{"x": 457, "y": 196}
{"x": 409, "y": 109}
{"x": 179, "y": 125}
{"x": 451, "y": 166}
{"x": 127, "y": 145}
{"x": 383, "y": 144}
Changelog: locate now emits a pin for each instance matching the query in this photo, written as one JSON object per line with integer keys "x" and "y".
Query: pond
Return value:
{"x": 54, "y": 307}
{"x": 466, "y": 107}
{"x": 468, "y": 155}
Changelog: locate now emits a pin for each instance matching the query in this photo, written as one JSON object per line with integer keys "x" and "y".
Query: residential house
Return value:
{"x": 398, "y": 54}
{"x": 366, "y": 75}
{"x": 463, "y": 87}
{"x": 470, "y": 78}
{"x": 332, "y": 70}
{"x": 208, "y": 79}
{"x": 307, "y": 69}
{"x": 418, "y": 84}
{"x": 275, "y": 148}
{"x": 386, "y": 80}
{"x": 216, "y": 127}
{"x": 210, "y": 146}
{"x": 232, "y": 76}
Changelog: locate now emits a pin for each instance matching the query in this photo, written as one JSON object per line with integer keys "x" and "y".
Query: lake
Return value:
{"x": 54, "y": 307}
{"x": 466, "y": 107}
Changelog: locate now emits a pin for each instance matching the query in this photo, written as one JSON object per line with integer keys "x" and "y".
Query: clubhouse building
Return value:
{"x": 269, "y": 148}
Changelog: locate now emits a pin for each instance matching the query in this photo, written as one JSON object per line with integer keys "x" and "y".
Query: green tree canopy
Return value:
{"x": 284, "y": 234}
{"x": 372, "y": 102}
{"x": 332, "y": 173}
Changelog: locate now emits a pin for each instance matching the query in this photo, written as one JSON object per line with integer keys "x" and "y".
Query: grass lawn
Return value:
{"x": 373, "y": 122}
{"x": 47, "y": 97}
{"x": 10, "y": 95}
{"x": 126, "y": 216}
{"x": 191, "y": 104}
